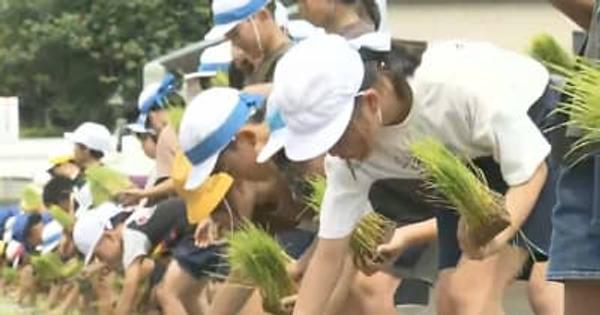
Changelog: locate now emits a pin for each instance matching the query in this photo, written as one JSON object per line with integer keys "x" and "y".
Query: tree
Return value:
{"x": 65, "y": 58}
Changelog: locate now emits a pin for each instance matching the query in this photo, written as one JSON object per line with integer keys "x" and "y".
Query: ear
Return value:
{"x": 370, "y": 100}
{"x": 247, "y": 135}
{"x": 264, "y": 15}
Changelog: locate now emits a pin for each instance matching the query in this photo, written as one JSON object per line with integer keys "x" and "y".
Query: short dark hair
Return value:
{"x": 98, "y": 155}
{"x": 57, "y": 190}
{"x": 31, "y": 221}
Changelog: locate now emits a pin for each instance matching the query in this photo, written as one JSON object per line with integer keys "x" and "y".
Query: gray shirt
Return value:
{"x": 592, "y": 49}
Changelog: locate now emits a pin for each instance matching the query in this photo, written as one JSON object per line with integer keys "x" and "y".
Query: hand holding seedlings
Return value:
{"x": 206, "y": 233}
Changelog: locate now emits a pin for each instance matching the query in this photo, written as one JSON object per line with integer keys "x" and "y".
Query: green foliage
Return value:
{"x": 464, "y": 187}
{"x": 547, "y": 50}
{"x": 259, "y": 260}
{"x": 61, "y": 216}
{"x": 583, "y": 104}
{"x": 63, "y": 58}
{"x": 105, "y": 183}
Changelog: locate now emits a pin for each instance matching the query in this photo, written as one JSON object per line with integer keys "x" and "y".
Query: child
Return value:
{"x": 366, "y": 118}
{"x": 92, "y": 143}
{"x": 251, "y": 26}
{"x": 152, "y": 106}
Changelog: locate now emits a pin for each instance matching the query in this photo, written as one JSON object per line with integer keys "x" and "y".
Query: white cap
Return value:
{"x": 227, "y": 14}
{"x": 90, "y": 227}
{"x": 51, "y": 236}
{"x": 314, "y": 88}
{"x": 209, "y": 124}
{"x": 213, "y": 59}
{"x": 8, "y": 228}
{"x": 383, "y": 23}
{"x": 92, "y": 135}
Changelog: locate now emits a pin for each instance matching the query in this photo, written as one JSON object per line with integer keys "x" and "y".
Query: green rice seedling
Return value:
{"x": 175, "y": 116}
{"x": 71, "y": 268}
{"x": 547, "y": 50}
{"x": 221, "y": 79}
{"x": 47, "y": 267}
{"x": 62, "y": 217}
{"x": 31, "y": 198}
{"x": 463, "y": 187}
{"x": 582, "y": 105}
{"x": 105, "y": 183}
{"x": 371, "y": 231}
{"x": 260, "y": 261}
{"x": 9, "y": 274}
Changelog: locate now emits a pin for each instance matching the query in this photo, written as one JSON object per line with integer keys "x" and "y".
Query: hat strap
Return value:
{"x": 221, "y": 137}
{"x": 238, "y": 14}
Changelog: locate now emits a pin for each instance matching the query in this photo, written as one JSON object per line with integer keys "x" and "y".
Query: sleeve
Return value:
{"x": 345, "y": 201}
{"x": 135, "y": 244}
{"x": 516, "y": 142}
{"x": 166, "y": 149}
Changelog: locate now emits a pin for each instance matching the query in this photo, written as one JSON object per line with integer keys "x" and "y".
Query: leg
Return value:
{"x": 581, "y": 297}
{"x": 174, "y": 288}
{"x": 374, "y": 294}
{"x": 231, "y": 297}
{"x": 545, "y": 297}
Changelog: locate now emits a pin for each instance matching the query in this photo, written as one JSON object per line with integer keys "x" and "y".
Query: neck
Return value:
{"x": 344, "y": 15}
{"x": 90, "y": 163}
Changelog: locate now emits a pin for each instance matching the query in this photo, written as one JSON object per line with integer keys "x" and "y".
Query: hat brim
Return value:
{"x": 73, "y": 137}
{"x": 220, "y": 31}
{"x": 277, "y": 140}
{"x": 306, "y": 146}
{"x": 200, "y": 74}
{"x": 201, "y": 172}
{"x": 90, "y": 255}
{"x": 138, "y": 128}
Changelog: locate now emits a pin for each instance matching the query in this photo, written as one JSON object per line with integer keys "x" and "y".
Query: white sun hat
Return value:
{"x": 93, "y": 136}
{"x": 90, "y": 227}
{"x": 227, "y": 14}
{"x": 209, "y": 124}
{"x": 213, "y": 60}
{"x": 314, "y": 89}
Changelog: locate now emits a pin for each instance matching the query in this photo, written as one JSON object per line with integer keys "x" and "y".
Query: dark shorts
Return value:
{"x": 575, "y": 250}
{"x": 295, "y": 241}
{"x": 536, "y": 232}
{"x": 201, "y": 262}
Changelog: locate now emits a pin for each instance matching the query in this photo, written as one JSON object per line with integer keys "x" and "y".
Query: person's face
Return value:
{"x": 148, "y": 145}
{"x": 109, "y": 249}
{"x": 157, "y": 119}
{"x": 246, "y": 36}
{"x": 239, "y": 159}
{"x": 81, "y": 154}
{"x": 34, "y": 237}
{"x": 357, "y": 141}
{"x": 318, "y": 12}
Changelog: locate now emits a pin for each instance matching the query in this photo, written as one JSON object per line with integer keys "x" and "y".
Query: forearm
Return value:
{"x": 520, "y": 200}
{"x": 321, "y": 276}
{"x": 165, "y": 188}
{"x": 419, "y": 233}
{"x": 580, "y": 11}
{"x": 230, "y": 298}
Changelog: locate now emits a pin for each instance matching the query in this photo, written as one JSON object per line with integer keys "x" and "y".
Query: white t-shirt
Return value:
{"x": 474, "y": 98}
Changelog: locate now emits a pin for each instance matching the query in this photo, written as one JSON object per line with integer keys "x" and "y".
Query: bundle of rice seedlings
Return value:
{"x": 371, "y": 231}
{"x": 105, "y": 183}
{"x": 47, "y": 267}
{"x": 259, "y": 260}
{"x": 31, "y": 198}
{"x": 583, "y": 102}
{"x": 547, "y": 50}
{"x": 62, "y": 217}
{"x": 221, "y": 79}
{"x": 9, "y": 274}
{"x": 175, "y": 116}
{"x": 71, "y": 268}
{"x": 464, "y": 188}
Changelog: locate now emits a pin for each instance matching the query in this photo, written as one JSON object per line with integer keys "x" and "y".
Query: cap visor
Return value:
{"x": 201, "y": 172}
{"x": 219, "y": 31}
{"x": 90, "y": 255}
{"x": 71, "y": 136}
{"x": 276, "y": 141}
{"x": 138, "y": 128}
{"x": 200, "y": 74}
{"x": 306, "y": 146}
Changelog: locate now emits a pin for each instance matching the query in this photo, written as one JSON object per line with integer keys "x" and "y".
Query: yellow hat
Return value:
{"x": 202, "y": 201}
{"x": 61, "y": 159}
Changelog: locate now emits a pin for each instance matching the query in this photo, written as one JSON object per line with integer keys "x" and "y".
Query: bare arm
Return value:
{"x": 135, "y": 273}
{"x": 580, "y": 11}
{"x": 321, "y": 278}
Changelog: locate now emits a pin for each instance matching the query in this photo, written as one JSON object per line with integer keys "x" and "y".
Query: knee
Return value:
{"x": 164, "y": 295}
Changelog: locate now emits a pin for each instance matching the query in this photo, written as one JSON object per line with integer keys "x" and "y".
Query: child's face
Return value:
{"x": 317, "y": 12}
{"x": 34, "y": 237}
{"x": 240, "y": 158}
{"x": 357, "y": 141}
{"x": 81, "y": 154}
{"x": 149, "y": 146}
{"x": 109, "y": 249}
{"x": 247, "y": 36}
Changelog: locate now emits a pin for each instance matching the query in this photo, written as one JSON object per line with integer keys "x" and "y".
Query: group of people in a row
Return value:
{"x": 336, "y": 97}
